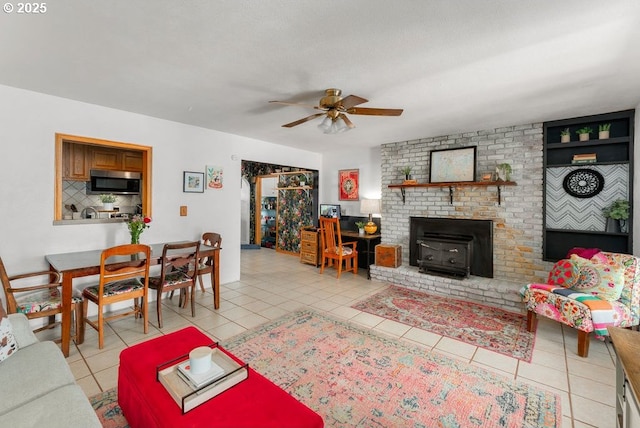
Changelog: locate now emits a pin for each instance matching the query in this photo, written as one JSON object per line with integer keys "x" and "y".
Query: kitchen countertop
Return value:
{"x": 89, "y": 221}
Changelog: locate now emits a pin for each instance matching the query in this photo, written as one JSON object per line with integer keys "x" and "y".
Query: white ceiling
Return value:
{"x": 452, "y": 65}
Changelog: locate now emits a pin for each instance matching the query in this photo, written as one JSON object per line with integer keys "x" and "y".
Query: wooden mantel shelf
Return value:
{"x": 452, "y": 185}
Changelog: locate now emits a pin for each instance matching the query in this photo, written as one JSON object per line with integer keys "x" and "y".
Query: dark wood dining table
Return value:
{"x": 87, "y": 263}
{"x": 368, "y": 239}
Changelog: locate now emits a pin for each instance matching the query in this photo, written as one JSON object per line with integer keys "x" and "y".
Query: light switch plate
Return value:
{"x": 183, "y": 210}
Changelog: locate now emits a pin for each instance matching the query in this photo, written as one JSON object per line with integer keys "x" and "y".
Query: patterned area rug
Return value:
{"x": 108, "y": 410}
{"x": 354, "y": 377}
{"x": 490, "y": 328}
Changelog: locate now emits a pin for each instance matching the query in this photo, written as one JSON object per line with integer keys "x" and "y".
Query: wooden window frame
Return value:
{"x": 146, "y": 168}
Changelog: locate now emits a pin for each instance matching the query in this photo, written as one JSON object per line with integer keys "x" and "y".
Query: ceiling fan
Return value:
{"x": 336, "y": 108}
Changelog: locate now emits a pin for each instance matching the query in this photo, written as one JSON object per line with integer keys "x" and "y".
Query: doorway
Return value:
{"x": 267, "y": 200}
{"x": 252, "y": 171}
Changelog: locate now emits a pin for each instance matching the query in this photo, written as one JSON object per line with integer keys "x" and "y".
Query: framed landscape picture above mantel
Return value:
{"x": 348, "y": 184}
{"x": 452, "y": 165}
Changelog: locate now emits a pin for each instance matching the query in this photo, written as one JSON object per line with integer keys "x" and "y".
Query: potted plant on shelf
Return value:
{"x": 583, "y": 133}
{"x": 503, "y": 171}
{"x": 406, "y": 170}
{"x": 565, "y": 135}
{"x": 617, "y": 215}
{"x": 107, "y": 201}
{"x": 360, "y": 225}
{"x": 603, "y": 131}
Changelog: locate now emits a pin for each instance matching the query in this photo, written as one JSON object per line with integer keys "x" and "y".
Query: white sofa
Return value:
{"x": 37, "y": 388}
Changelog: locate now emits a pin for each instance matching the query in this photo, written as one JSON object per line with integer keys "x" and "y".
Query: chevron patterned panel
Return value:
{"x": 564, "y": 211}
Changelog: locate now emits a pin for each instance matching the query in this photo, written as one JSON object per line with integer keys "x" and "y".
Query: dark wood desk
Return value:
{"x": 87, "y": 263}
{"x": 366, "y": 238}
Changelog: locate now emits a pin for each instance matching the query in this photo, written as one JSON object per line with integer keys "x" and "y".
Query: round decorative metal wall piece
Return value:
{"x": 583, "y": 183}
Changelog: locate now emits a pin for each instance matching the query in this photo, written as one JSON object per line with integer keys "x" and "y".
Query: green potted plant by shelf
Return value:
{"x": 360, "y": 225}
{"x": 503, "y": 171}
{"x": 617, "y": 215}
{"x": 406, "y": 170}
{"x": 565, "y": 135}
{"x": 108, "y": 200}
{"x": 583, "y": 133}
{"x": 603, "y": 131}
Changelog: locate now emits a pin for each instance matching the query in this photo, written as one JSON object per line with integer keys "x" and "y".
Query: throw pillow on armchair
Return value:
{"x": 599, "y": 279}
{"x": 563, "y": 273}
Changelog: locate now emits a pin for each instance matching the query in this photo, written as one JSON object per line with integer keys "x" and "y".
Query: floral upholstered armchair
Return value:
{"x": 588, "y": 294}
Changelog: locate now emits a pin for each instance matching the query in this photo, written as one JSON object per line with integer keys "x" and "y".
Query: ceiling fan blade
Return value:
{"x": 306, "y": 119}
{"x": 375, "y": 111}
{"x": 346, "y": 120}
{"x": 351, "y": 101}
{"x": 286, "y": 103}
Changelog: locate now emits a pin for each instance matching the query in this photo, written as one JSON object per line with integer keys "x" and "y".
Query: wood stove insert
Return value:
{"x": 481, "y": 231}
{"x": 448, "y": 255}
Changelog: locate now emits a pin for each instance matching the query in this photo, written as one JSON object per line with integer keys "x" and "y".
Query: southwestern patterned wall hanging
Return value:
{"x": 348, "y": 184}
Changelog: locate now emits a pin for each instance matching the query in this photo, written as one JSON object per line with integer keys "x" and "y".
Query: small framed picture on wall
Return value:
{"x": 193, "y": 182}
{"x": 348, "y": 184}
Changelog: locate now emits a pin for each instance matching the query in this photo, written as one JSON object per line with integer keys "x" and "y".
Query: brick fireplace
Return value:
{"x": 516, "y": 222}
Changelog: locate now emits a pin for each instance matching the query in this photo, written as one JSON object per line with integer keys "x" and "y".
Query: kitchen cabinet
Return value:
{"x": 74, "y": 162}
{"x": 106, "y": 159}
{"x": 79, "y": 159}
{"x": 114, "y": 159}
{"x": 132, "y": 161}
{"x": 581, "y": 178}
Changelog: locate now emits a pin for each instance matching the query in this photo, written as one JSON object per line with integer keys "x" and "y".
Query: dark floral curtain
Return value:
{"x": 293, "y": 213}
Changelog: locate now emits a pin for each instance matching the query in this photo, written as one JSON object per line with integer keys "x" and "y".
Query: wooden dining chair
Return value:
{"x": 124, "y": 275}
{"x": 42, "y": 300}
{"x": 206, "y": 263}
{"x": 178, "y": 271}
{"x": 334, "y": 251}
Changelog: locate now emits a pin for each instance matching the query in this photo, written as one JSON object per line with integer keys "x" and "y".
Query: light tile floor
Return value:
{"x": 273, "y": 284}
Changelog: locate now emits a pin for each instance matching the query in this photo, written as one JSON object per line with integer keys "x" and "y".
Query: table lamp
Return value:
{"x": 370, "y": 206}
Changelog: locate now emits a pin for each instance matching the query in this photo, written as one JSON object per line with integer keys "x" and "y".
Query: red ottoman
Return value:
{"x": 254, "y": 402}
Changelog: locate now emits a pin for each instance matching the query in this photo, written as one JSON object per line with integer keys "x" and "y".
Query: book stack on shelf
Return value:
{"x": 584, "y": 158}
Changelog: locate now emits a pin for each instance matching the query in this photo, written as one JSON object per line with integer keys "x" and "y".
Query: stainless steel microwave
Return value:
{"x": 116, "y": 182}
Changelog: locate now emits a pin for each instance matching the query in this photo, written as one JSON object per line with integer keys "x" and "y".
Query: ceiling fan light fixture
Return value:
{"x": 325, "y": 124}
{"x": 341, "y": 126}
{"x": 335, "y": 125}
{"x": 334, "y": 109}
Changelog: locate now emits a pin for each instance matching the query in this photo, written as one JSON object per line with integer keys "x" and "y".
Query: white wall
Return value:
{"x": 29, "y": 123}
{"x": 636, "y": 185}
{"x": 367, "y": 161}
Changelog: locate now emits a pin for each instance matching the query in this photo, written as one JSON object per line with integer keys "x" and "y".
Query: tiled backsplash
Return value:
{"x": 75, "y": 192}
